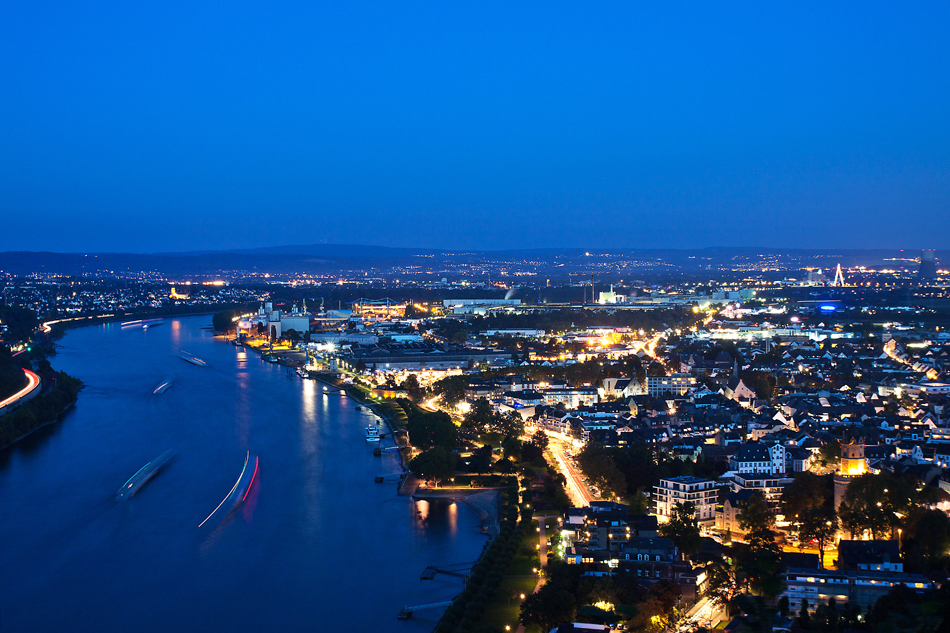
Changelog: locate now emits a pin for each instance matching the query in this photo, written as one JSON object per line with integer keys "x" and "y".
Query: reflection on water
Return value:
{"x": 317, "y": 544}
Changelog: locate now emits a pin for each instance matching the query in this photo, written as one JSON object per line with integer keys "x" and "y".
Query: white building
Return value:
{"x": 702, "y": 493}
{"x": 677, "y": 384}
{"x": 753, "y": 457}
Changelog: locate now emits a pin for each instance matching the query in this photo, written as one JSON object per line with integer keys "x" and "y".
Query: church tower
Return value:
{"x": 852, "y": 465}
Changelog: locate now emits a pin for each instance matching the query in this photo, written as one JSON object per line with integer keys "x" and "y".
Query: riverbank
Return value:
{"x": 40, "y": 411}
{"x": 96, "y": 319}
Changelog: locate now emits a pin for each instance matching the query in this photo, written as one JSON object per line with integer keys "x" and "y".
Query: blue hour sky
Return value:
{"x": 163, "y": 126}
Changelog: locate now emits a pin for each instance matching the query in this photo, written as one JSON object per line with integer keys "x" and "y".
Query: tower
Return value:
{"x": 928, "y": 265}
{"x": 852, "y": 465}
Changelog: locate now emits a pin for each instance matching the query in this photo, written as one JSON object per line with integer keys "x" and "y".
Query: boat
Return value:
{"x": 144, "y": 474}
{"x": 241, "y": 488}
{"x": 193, "y": 359}
{"x": 358, "y": 408}
{"x": 163, "y": 387}
{"x": 372, "y": 433}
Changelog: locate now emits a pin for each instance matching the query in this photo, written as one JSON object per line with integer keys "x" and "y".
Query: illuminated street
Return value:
{"x": 576, "y": 488}
{"x": 32, "y": 382}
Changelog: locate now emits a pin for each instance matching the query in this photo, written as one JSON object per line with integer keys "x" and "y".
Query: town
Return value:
{"x": 758, "y": 455}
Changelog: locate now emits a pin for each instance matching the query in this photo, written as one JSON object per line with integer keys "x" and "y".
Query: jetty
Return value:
{"x": 406, "y": 612}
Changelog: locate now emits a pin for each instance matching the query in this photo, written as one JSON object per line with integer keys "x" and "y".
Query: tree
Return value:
{"x": 761, "y": 382}
{"x": 430, "y": 429}
{"x": 653, "y": 614}
{"x": 434, "y": 464}
{"x": 412, "y": 387}
{"x": 755, "y": 516}
{"x": 479, "y": 417}
{"x": 820, "y": 524}
{"x": 830, "y": 452}
{"x": 656, "y": 369}
{"x": 807, "y": 504}
{"x": 926, "y": 540}
{"x": 602, "y": 471}
{"x": 722, "y": 585}
{"x": 802, "y": 496}
{"x": 360, "y": 366}
{"x": 512, "y": 448}
{"x": 224, "y": 321}
{"x": 540, "y": 439}
{"x": 451, "y": 389}
{"x": 549, "y": 606}
{"x": 683, "y": 529}
{"x": 508, "y": 425}
{"x": 875, "y": 503}
{"x": 761, "y": 562}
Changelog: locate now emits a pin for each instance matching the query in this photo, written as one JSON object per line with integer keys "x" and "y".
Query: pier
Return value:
{"x": 407, "y": 612}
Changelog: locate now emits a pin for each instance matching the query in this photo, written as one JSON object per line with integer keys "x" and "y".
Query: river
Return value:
{"x": 317, "y": 544}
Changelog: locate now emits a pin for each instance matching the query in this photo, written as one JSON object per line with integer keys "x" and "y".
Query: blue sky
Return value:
{"x": 162, "y": 126}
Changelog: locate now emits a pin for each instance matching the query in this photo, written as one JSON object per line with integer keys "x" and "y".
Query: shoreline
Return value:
{"x": 59, "y": 418}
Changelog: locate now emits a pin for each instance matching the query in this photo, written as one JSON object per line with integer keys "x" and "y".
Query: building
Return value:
{"x": 928, "y": 265}
{"x": 296, "y": 320}
{"x": 753, "y": 457}
{"x": 379, "y": 310}
{"x": 677, "y": 384}
{"x": 870, "y": 556}
{"x": 572, "y": 398}
{"x": 727, "y": 515}
{"x": 853, "y": 464}
{"x": 516, "y": 333}
{"x": 769, "y": 486}
{"x": 859, "y": 587}
{"x": 620, "y": 388}
{"x": 702, "y": 493}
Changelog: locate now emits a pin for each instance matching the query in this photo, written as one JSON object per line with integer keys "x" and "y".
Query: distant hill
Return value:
{"x": 331, "y": 258}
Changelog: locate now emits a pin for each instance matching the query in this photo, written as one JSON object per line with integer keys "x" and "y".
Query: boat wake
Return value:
{"x": 241, "y": 487}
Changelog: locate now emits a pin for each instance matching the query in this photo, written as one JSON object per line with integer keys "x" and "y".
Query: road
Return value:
{"x": 576, "y": 488}
{"x": 699, "y": 616}
{"x": 32, "y": 382}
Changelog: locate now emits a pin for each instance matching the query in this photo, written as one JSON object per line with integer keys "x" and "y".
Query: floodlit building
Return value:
{"x": 677, "y": 384}
{"x": 702, "y": 493}
{"x": 853, "y": 464}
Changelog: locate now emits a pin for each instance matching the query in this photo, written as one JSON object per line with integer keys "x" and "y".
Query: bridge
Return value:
{"x": 407, "y": 612}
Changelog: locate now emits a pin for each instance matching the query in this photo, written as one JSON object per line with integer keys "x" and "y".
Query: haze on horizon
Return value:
{"x": 159, "y": 127}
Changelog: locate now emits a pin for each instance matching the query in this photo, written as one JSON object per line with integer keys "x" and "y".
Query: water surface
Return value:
{"x": 316, "y": 545}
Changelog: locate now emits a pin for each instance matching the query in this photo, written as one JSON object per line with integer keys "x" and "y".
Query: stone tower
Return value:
{"x": 852, "y": 465}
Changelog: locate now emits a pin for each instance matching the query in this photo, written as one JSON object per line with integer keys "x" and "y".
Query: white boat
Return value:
{"x": 193, "y": 359}
{"x": 162, "y": 388}
{"x": 372, "y": 433}
{"x": 144, "y": 474}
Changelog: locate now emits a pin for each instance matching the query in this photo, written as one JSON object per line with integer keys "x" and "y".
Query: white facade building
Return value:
{"x": 702, "y": 493}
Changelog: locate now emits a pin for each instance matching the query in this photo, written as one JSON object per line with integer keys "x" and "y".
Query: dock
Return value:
{"x": 406, "y": 612}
